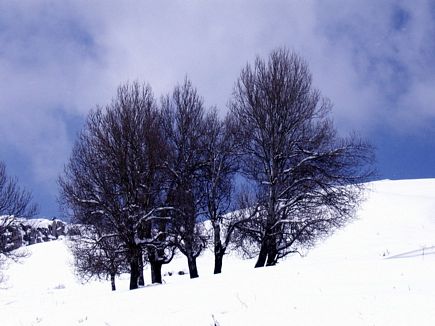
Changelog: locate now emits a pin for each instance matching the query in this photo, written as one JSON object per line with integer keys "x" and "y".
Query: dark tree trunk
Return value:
{"x": 219, "y": 250}
{"x": 134, "y": 274}
{"x": 156, "y": 271}
{"x": 156, "y": 262}
{"x": 193, "y": 270}
{"x": 135, "y": 254}
{"x": 272, "y": 250}
{"x": 262, "y": 256}
{"x": 141, "y": 280}
{"x": 112, "y": 281}
{"x": 218, "y": 257}
{"x": 188, "y": 251}
{"x": 271, "y": 256}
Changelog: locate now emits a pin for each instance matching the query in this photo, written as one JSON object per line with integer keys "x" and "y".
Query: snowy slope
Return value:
{"x": 379, "y": 270}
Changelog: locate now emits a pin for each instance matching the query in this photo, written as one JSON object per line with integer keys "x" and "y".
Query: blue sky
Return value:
{"x": 374, "y": 59}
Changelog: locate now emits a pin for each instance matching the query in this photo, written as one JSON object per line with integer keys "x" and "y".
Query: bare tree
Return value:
{"x": 308, "y": 180}
{"x": 97, "y": 255}
{"x": 113, "y": 180}
{"x": 183, "y": 122}
{"x": 14, "y": 202}
{"x": 221, "y": 151}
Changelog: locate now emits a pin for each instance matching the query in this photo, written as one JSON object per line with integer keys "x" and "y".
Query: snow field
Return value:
{"x": 378, "y": 270}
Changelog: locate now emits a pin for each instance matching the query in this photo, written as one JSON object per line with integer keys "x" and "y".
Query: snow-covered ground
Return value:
{"x": 379, "y": 270}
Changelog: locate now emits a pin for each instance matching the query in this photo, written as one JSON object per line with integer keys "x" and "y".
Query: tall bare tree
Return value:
{"x": 183, "y": 120}
{"x": 222, "y": 147}
{"x": 113, "y": 180}
{"x": 308, "y": 180}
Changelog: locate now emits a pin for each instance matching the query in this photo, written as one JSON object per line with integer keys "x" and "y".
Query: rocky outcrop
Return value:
{"x": 18, "y": 232}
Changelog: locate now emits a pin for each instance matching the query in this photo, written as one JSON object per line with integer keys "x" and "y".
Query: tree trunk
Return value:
{"x": 156, "y": 271}
{"x": 112, "y": 281}
{"x": 134, "y": 273}
{"x": 189, "y": 253}
{"x": 271, "y": 256}
{"x": 193, "y": 270}
{"x": 135, "y": 254}
{"x": 156, "y": 262}
{"x": 218, "y": 258}
{"x": 262, "y": 256}
{"x": 272, "y": 251}
{"x": 218, "y": 249}
{"x": 141, "y": 280}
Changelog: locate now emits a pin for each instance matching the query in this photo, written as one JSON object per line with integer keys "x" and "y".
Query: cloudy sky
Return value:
{"x": 58, "y": 59}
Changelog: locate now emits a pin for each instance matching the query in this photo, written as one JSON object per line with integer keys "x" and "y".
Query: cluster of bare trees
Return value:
{"x": 143, "y": 175}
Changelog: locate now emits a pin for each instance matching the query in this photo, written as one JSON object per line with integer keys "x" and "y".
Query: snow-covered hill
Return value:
{"x": 379, "y": 270}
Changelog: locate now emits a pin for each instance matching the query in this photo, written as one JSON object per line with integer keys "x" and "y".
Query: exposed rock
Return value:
{"x": 18, "y": 232}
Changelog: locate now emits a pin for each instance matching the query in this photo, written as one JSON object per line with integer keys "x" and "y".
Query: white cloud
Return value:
{"x": 386, "y": 50}
{"x": 373, "y": 59}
